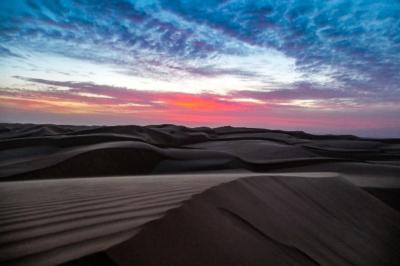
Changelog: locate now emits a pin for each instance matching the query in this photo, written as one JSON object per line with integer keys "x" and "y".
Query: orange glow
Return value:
{"x": 199, "y": 103}
{"x": 178, "y": 108}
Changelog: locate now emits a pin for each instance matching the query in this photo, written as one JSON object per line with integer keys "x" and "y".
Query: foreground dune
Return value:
{"x": 48, "y": 222}
{"x": 263, "y": 197}
{"x": 271, "y": 221}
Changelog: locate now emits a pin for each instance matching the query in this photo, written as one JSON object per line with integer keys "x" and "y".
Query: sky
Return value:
{"x": 318, "y": 66}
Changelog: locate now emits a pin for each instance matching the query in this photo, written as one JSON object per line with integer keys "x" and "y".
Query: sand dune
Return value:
{"x": 63, "y": 196}
{"x": 303, "y": 222}
{"x": 47, "y": 222}
{"x": 39, "y": 218}
{"x": 78, "y": 151}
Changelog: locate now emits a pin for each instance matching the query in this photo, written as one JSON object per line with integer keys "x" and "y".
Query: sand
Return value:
{"x": 171, "y": 195}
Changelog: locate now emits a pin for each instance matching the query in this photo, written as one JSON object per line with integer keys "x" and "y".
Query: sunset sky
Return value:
{"x": 319, "y": 66}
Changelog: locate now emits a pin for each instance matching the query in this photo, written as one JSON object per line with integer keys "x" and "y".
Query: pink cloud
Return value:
{"x": 96, "y": 104}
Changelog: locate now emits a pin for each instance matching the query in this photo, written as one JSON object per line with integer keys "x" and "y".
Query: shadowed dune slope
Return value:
{"x": 268, "y": 221}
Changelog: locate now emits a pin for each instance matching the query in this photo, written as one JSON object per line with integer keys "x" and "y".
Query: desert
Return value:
{"x": 165, "y": 194}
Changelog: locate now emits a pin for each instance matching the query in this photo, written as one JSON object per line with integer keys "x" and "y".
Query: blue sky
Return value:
{"x": 322, "y": 66}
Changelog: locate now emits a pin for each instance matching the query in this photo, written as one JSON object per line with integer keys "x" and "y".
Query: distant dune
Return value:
{"x": 124, "y": 195}
{"x": 37, "y": 152}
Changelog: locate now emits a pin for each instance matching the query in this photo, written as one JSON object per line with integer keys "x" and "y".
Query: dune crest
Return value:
{"x": 268, "y": 220}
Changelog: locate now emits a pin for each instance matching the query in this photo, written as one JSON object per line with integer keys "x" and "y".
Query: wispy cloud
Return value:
{"x": 353, "y": 38}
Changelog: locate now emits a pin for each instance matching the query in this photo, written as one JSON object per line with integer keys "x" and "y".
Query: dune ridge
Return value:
{"x": 302, "y": 224}
{"x": 71, "y": 215}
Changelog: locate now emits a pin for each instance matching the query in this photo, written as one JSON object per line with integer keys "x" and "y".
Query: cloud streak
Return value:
{"x": 287, "y": 109}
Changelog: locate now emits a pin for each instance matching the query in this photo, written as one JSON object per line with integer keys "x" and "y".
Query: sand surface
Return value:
{"x": 130, "y": 195}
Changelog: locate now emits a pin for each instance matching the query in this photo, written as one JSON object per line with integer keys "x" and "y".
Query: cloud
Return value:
{"x": 298, "y": 91}
{"x": 327, "y": 54}
{"x": 88, "y": 103}
{"x": 80, "y": 104}
{"x": 95, "y": 94}
{"x": 351, "y": 37}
